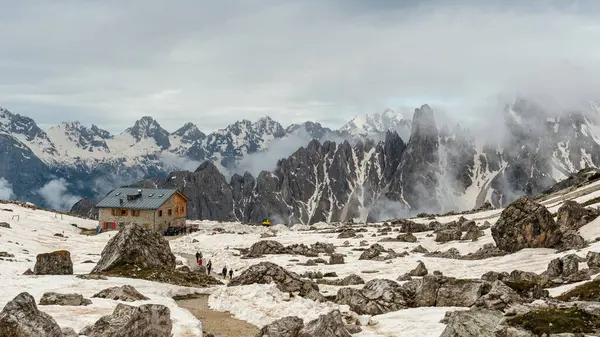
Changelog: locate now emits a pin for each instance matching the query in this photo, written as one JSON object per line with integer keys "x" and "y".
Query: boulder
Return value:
{"x": 285, "y": 327}
{"x": 372, "y": 252}
{"x": 571, "y": 216}
{"x": 21, "y": 318}
{"x": 460, "y": 293}
{"x": 525, "y": 224}
{"x": 420, "y": 249}
{"x": 408, "y": 226}
{"x": 55, "y": 263}
{"x": 377, "y": 297}
{"x": 336, "y": 259}
{"x": 468, "y": 323}
{"x": 349, "y": 280}
{"x": 69, "y": 332}
{"x": 52, "y": 298}
{"x": 267, "y": 272}
{"x": 149, "y": 320}
{"x": 5, "y": 225}
{"x": 446, "y": 235}
{"x": 263, "y": 247}
{"x": 409, "y": 237}
{"x": 124, "y": 293}
{"x": 499, "y": 297}
{"x": 347, "y": 233}
{"x": 593, "y": 259}
{"x": 420, "y": 270}
{"x": 322, "y": 247}
{"x": 329, "y": 325}
{"x": 571, "y": 240}
{"x": 136, "y": 246}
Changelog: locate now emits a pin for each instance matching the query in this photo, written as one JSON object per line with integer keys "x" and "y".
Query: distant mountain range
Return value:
{"x": 437, "y": 169}
{"x": 83, "y": 161}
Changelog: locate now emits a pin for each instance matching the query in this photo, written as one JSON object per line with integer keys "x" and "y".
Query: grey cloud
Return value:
{"x": 215, "y": 62}
{"x": 6, "y": 191}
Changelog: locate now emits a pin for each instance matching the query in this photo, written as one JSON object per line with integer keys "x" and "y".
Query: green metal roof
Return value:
{"x": 151, "y": 198}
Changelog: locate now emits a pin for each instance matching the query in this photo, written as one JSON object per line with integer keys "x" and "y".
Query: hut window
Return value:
{"x": 160, "y": 212}
{"x": 169, "y": 212}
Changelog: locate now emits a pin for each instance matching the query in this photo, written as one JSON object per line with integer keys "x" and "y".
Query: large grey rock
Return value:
{"x": 470, "y": 323}
{"x": 285, "y": 327}
{"x": 149, "y": 320}
{"x": 593, "y": 259}
{"x": 377, "y": 297}
{"x": 329, "y": 325}
{"x": 446, "y": 235}
{"x": 499, "y": 297}
{"x": 265, "y": 247}
{"x": 52, "y": 298}
{"x": 525, "y": 224}
{"x": 420, "y": 270}
{"x": 55, "y": 263}
{"x": 124, "y": 293}
{"x": 336, "y": 259}
{"x": 267, "y": 272}
{"x": 136, "y": 246}
{"x": 572, "y": 216}
{"x": 372, "y": 252}
{"x": 21, "y": 318}
{"x": 349, "y": 280}
{"x": 434, "y": 290}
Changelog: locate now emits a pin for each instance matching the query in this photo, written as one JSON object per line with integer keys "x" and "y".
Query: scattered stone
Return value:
{"x": 346, "y": 243}
{"x": 377, "y": 297}
{"x": 88, "y": 261}
{"x": 447, "y": 235}
{"x": 92, "y": 277}
{"x": 525, "y": 224}
{"x": 267, "y": 235}
{"x": 409, "y": 237}
{"x": 347, "y": 233}
{"x": 124, "y": 293}
{"x": 571, "y": 216}
{"x": 420, "y": 249}
{"x": 330, "y": 274}
{"x": 467, "y": 323}
{"x": 267, "y": 272}
{"x": 288, "y": 326}
{"x": 499, "y": 297}
{"x": 151, "y": 320}
{"x": 55, "y": 263}
{"x": 336, "y": 259}
{"x": 4, "y": 225}
{"x": 349, "y": 280}
{"x": 363, "y": 243}
{"x": 69, "y": 332}
{"x": 263, "y": 247}
{"x": 6, "y": 254}
{"x": 419, "y": 271}
{"x": 21, "y": 318}
{"x": 29, "y": 272}
{"x": 405, "y": 277}
{"x": 52, "y": 298}
{"x": 372, "y": 252}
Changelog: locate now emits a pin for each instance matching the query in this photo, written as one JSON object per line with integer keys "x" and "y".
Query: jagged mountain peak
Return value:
{"x": 148, "y": 128}
{"x": 374, "y": 125}
{"x": 189, "y": 132}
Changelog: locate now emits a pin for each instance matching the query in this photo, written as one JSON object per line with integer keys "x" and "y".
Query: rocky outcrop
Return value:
{"x": 372, "y": 252}
{"x": 267, "y": 272}
{"x": 525, "y": 224}
{"x": 21, "y": 318}
{"x": 434, "y": 290}
{"x": 571, "y": 216}
{"x": 288, "y": 326}
{"x": 52, "y": 298}
{"x": 265, "y": 247}
{"x": 151, "y": 320}
{"x": 329, "y": 325}
{"x": 336, "y": 259}
{"x": 85, "y": 208}
{"x": 420, "y": 270}
{"x": 349, "y": 280}
{"x": 446, "y": 235}
{"x": 55, "y": 263}
{"x": 377, "y": 297}
{"x": 124, "y": 293}
{"x": 480, "y": 323}
{"x": 499, "y": 297}
{"x": 136, "y": 246}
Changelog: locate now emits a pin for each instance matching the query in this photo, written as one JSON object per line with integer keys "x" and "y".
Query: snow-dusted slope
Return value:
{"x": 373, "y": 125}
{"x": 32, "y": 232}
{"x": 263, "y": 304}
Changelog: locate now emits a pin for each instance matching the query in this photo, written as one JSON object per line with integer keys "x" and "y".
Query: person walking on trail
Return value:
{"x": 208, "y": 267}
{"x": 230, "y": 273}
{"x": 197, "y": 256}
{"x": 200, "y": 261}
{"x": 224, "y": 273}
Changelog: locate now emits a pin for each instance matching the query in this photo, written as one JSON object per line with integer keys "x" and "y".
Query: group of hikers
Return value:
{"x": 209, "y": 266}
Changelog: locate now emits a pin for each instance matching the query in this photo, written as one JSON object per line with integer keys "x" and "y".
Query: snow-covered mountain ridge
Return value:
{"x": 80, "y": 153}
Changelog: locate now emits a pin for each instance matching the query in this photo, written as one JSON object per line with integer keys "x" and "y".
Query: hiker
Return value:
{"x": 224, "y": 272}
{"x": 197, "y": 256}
{"x": 230, "y": 273}
{"x": 208, "y": 267}
{"x": 200, "y": 261}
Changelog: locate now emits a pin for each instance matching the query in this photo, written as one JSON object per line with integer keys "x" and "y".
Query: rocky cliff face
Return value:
{"x": 437, "y": 170}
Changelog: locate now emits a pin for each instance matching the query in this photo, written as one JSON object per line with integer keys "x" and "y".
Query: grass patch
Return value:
{"x": 554, "y": 321}
{"x": 589, "y": 291}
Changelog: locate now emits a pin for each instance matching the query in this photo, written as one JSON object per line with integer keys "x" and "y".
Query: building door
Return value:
{"x": 105, "y": 225}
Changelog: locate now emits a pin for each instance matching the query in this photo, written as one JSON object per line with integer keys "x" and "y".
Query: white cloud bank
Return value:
{"x": 6, "y": 191}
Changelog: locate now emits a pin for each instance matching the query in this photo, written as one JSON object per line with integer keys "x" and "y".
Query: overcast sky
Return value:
{"x": 214, "y": 62}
